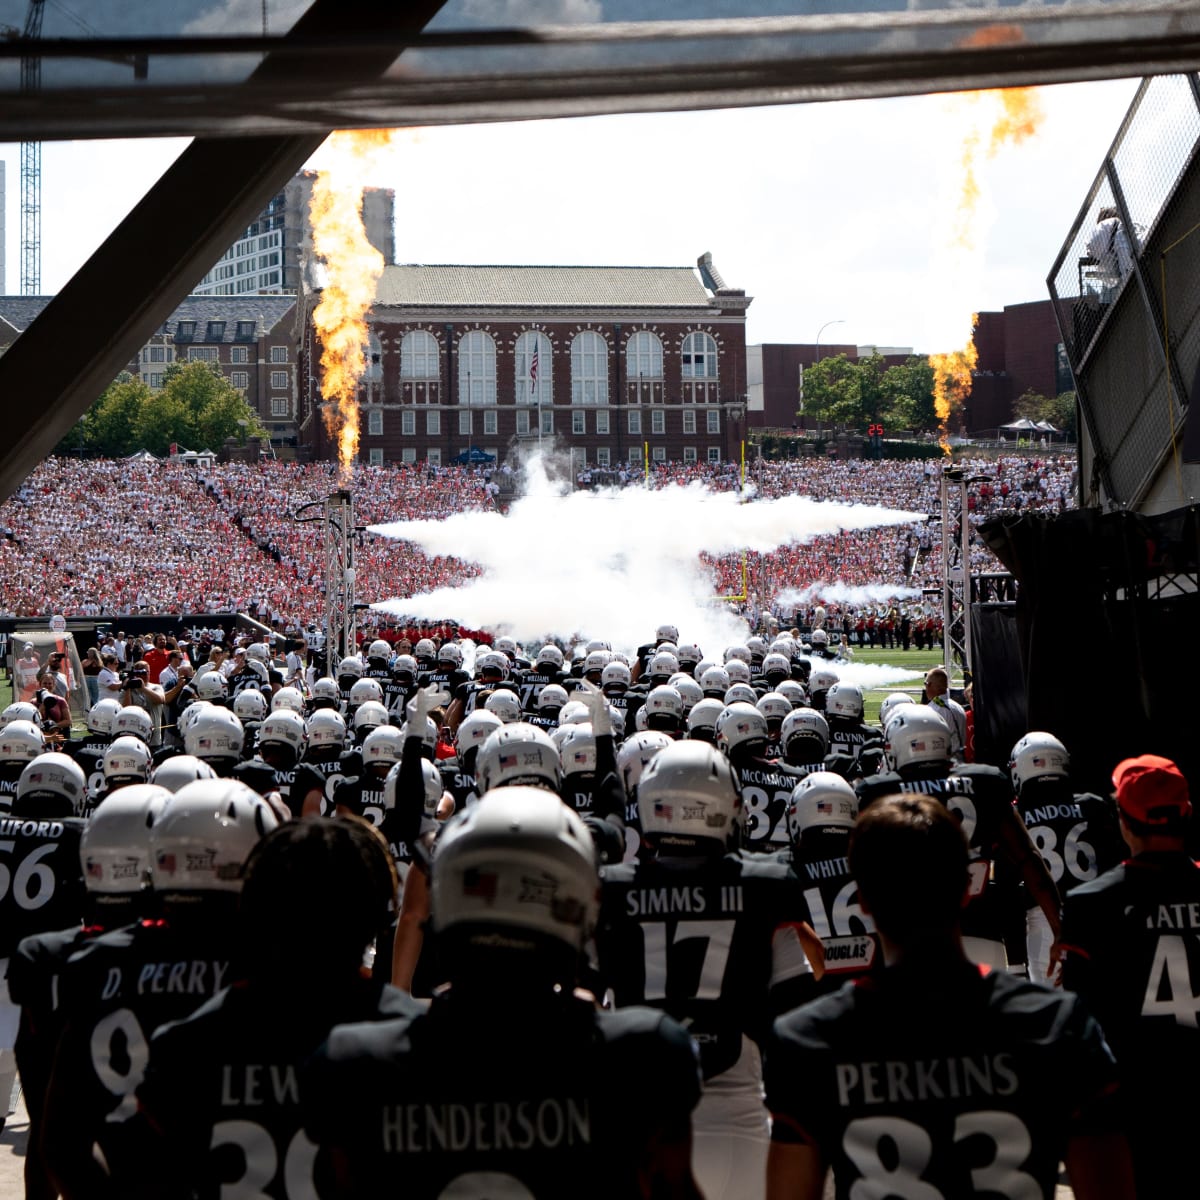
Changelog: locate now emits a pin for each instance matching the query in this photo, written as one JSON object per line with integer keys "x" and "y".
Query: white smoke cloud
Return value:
{"x": 612, "y": 564}
{"x": 870, "y": 676}
{"x": 846, "y": 594}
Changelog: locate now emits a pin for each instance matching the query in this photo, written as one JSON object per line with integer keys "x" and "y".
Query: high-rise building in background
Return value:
{"x": 270, "y": 255}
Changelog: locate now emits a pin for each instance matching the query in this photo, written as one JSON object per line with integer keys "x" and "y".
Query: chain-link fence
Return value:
{"x": 1126, "y": 287}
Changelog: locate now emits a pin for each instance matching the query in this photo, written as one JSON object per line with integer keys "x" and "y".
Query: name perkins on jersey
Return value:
{"x": 953, "y": 1078}
{"x": 486, "y": 1125}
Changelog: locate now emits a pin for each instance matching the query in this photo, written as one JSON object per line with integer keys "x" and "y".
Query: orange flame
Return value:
{"x": 1018, "y": 119}
{"x": 352, "y": 270}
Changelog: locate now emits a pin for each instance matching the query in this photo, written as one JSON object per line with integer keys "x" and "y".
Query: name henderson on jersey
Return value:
{"x": 486, "y": 1125}
{"x": 954, "y": 1078}
{"x": 655, "y": 901}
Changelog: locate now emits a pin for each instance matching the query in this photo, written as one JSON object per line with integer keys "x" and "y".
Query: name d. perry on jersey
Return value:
{"x": 698, "y": 942}
{"x": 959, "y": 1085}
{"x": 453, "y": 1107}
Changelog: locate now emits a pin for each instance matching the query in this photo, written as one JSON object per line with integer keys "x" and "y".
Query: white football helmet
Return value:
{"x": 822, "y": 680}
{"x": 22, "y": 710}
{"x": 127, "y": 757}
{"x": 133, "y": 720}
{"x": 1038, "y": 755}
{"x": 702, "y": 720}
{"x": 519, "y": 861}
{"x": 615, "y": 676}
{"x": 326, "y": 693}
{"x": 689, "y": 691}
{"x": 379, "y": 649}
{"x": 506, "y": 646}
{"x": 553, "y": 695}
{"x": 51, "y": 785}
{"x": 114, "y": 849}
{"x": 474, "y": 730}
{"x": 819, "y": 639}
{"x": 451, "y": 653}
{"x": 576, "y": 749}
{"x": 821, "y": 800}
{"x": 666, "y": 633}
{"x": 549, "y": 656}
{"x": 351, "y": 666}
{"x": 325, "y": 728}
{"x": 688, "y": 794}
{"x": 251, "y": 704}
{"x": 636, "y": 752}
{"x": 739, "y": 652}
{"x": 808, "y": 724}
{"x": 689, "y": 655}
{"x": 284, "y": 728}
{"x": 364, "y": 690}
{"x": 382, "y": 745}
{"x": 574, "y": 712}
{"x": 845, "y": 700}
{"x": 368, "y": 716}
{"x": 204, "y": 834}
{"x": 794, "y": 692}
{"x": 774, "y": 707}
{"x": 210, "y": 686}
{"x": 916, "y": 734}
{"x": 715, "y": 682}
{"x": 431, "y": 778}
{"x": 596, "y": 660}
{"x": 424, "y": 650}
{"x": 741, "y": 727}
{"x": 662, "y": 665}
{"x": 287, "y": 697}
{"x": 740, "y": 693}
{"x": 428, "y": 733}
{"x": 258, "y": 651}
{"x": 173, "y": 773}
{"x": 518, "y": 754}
{"x": 505, "y": 704}
{"x": 216, "y": 733}
{"x": 776, "y": 665}
{"x": 737, "y": 671}
{"x": 890, "y": 704}
{"x": 492, "y": 662}
{"x": 664, "y": 701}
{"x": 21, "y": 741}
{"x": 99, "y": 717}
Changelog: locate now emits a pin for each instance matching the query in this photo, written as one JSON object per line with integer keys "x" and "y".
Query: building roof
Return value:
{"x": 20, "y": 311}
{"x": 419, "y": 286}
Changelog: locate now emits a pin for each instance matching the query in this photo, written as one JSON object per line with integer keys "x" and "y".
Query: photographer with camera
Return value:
{"x": 53, "y": 710}
{"x": 137, "y": 690}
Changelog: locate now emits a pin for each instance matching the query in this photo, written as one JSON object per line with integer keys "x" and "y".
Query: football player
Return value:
{"x": 766, "y": 784}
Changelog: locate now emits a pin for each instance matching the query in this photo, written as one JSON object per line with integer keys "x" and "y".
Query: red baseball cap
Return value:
{"x": 1151, "y": 790}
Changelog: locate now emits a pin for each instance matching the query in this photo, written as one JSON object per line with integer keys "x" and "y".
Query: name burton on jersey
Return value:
{"x": 648, "y": 902}
{"x": 487, "y": 1125}
{"x": 926, "y": 1079}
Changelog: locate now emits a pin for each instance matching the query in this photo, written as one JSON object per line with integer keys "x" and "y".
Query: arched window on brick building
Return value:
{"x": 533, "y": 379}
{"x": 589, "y": 369}
{"x": 644, "y": 367}
{"x": 477, "y": 369}
{"x": 420, "y": 366}
{"x": 698, "y": 368}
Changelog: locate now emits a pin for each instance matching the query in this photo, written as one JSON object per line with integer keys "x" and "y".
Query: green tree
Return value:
{"x": 162, "y": 419}
{"x": 840, "y": 392}
{"x": 110, "y": 425}
{"x": 212, "y": 407}
{"x": 908, "y": 389}
{"x": 1058, "y": 410}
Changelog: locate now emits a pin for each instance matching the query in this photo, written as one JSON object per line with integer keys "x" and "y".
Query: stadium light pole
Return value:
{"x": 817, "y": 349}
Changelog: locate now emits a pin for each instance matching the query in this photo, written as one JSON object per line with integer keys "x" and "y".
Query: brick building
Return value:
{"x": 610, "y": 362}
{"x": 251, "y": 338}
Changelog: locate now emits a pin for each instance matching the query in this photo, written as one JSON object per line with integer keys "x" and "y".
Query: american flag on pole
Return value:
{"x": 533, "y": 368}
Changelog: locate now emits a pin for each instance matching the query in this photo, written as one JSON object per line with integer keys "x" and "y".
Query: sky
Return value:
{"x": 832, "y": 215}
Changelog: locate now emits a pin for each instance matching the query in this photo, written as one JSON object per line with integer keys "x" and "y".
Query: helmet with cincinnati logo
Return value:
{"x": 519, "y": 863}
{"x": 916, "y": 734}
{"x": 689, "y": 799}
{"x": 518, "y": 754}
{"x": 666, "y": 633}
{"x": 351, "y": 666}
{"x": 741, "y": 729}
{"x": 425, "y": 652}
{"x": 776, "y": 667}
{"x": 821, "y": 800}
{"x": 715, "y": 682}
{"x": 596, "y": 661}
{"x": 211, "y": 686}
{"x": 688, "y": 654}
{"x": 615, "y": 678}
{"x": 379, "y": 649}
{"x": 114, "y": 849}
{"x": 663, "y": 707}
{"x": 741, "y": 653}
{"x": 204, "y": 834}
{"x": 451, "y": 653}
{"x": 741, "y": 693}
{"x": 1038, "y": 755}
{"x": 52, "y": 785}
{"x": 549, "y": 656}
{"x": 663, "y": 664}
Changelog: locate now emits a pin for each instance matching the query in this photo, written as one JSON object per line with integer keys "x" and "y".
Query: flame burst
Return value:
{"x": 1019, "y": 116}
{"x": 352, "y": 269}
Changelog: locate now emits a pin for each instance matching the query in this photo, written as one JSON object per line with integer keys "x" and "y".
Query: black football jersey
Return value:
{"x": 10, "y": 773}
{"x": 940, "y": 1085}
{"x": 459, "y": 783}
{"x": 454, "y": 1104}
{"x": 848, "y": 737}
{"x": 1077, "y": 836}
{"x": 88, "y": 753}
{"x": 41, "y": 879}
{"x": 445, "y": 678}
{"x": 222, "y": 1096}
{"x": 529, "y": 686}
{"x": 981, "y": 797}
{"x": 260, "y": 776}
{"x": 115, "y": 991}
{"x": 396, "y": 697}
{"x": 695, "y": 938}
{"x": 766, "y": 789}
{"x": 847, "y": 934}
{"x": 321, "y": 775}
{"x": 362, "y": 796}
